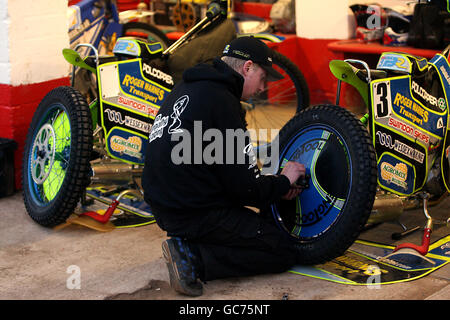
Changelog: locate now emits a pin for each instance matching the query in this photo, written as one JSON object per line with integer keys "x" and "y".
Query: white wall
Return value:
{"x": 322, "y": 19}
{"x": 4, "y": 43}
{"x": 32, "y": 36}
{"x": 332, "y": 19}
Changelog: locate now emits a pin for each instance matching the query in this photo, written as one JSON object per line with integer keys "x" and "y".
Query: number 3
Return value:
{"x": 381, "y": 99}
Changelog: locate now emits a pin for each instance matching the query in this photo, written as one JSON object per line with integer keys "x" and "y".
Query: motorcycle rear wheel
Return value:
{"x": 145, "y": 32}
{"x": 280, "y": 101}
{"x": 55, "y": 166}
{"x": 337, "y": 152}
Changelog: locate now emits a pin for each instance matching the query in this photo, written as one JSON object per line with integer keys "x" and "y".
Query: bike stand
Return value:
{"x": 104, "y": 218}
{"x": 95, "y": 220}
{"x": 413, "y": 249}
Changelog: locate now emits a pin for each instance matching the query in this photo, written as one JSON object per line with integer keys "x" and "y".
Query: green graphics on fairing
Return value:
{"x": 410, "y": 119}
{"x": 131, "y": 93}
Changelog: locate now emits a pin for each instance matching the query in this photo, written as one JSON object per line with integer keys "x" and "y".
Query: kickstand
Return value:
{"x": 410, "y": 248}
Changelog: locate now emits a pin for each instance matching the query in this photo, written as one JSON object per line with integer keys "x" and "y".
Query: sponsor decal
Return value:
{"x": 407, "y": 105}
{"x": 445, "y": 74}
{"x": 396, "y": 175}
{"x": 389, "y": 261}
{"x": 143, "y": 89}
{"x": 137, "y": 124}
{"x": 115, "y": 116}
{"x": 424, "y": 94}
{"x": 409, "y": 130}
{"x": 387, "y": 141}
{"x": 309, "y": 146}
{"x": 138, "y": 106}
{"x": 125, "y": 46}
{"x": 242, "y": 54}
{"x": 319, "y": 212}
{"x": 131, "y": 146}
{"x": 158, "y": 127}
{"x": 350, "y": 265}
{"x": 440, "y": 123}
{"x": 158, "y": 74}
{"x": 394, "y": 62}
{"x": 441, "y": 104}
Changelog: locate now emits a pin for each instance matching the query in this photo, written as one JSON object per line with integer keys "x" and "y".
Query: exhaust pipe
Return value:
{"x": 114, "y": 172}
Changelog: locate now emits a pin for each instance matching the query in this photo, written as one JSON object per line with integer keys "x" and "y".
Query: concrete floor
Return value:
{"x": 40, "y": 263}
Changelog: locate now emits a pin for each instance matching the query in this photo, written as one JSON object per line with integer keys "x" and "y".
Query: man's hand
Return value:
{"x": 293, "y": 171}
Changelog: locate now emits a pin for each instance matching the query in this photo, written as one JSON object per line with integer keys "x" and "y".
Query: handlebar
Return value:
{"x": 217, "y": 7}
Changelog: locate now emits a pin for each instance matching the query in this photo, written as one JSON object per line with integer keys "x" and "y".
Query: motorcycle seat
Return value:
{"x": 419, "y": 63}
{"x": 90, "y": 61}
{"x": 374, "y": 74}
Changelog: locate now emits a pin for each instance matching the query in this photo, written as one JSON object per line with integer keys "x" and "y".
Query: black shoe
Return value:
{"x": 182, "y": 273}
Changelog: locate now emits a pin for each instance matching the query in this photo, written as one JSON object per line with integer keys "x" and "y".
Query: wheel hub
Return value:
{"x": 43, "y": 153}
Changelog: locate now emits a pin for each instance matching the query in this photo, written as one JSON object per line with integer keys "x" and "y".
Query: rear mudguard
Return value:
{"x": 75, "y": 59}
{"x": 346, "y": 72}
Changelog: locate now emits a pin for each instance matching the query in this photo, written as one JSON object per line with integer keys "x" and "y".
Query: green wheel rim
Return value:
{"x": 50, "y": 154}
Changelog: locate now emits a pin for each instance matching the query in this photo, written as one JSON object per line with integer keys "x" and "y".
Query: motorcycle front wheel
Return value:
{"x": 55, "y": 166}
{"x": 328, "y": 216}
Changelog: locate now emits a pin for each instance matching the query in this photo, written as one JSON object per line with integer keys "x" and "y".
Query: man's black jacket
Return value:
{"x": 207, "y": 98}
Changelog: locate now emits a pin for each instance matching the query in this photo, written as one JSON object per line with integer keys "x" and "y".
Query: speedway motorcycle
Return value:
{"x": 403, "y": 152}
{"x": 99, "y": 23}
{"x": 409, "y": 123}
{"x": 71, "y": 144}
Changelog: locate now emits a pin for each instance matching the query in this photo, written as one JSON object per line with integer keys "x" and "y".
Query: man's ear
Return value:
{"x": 246, "y": 67}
